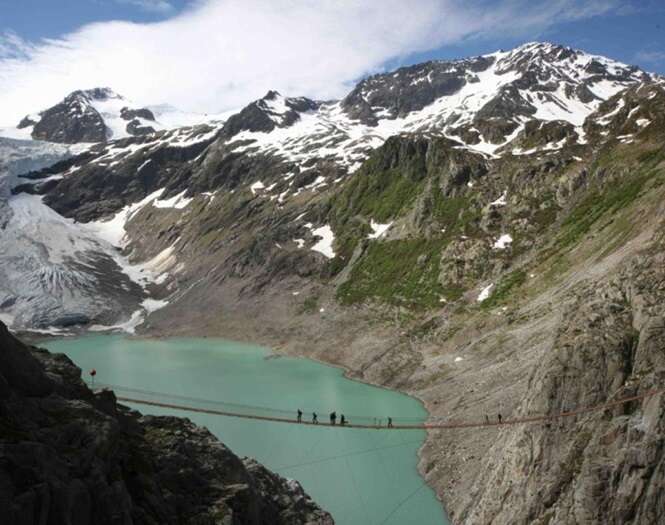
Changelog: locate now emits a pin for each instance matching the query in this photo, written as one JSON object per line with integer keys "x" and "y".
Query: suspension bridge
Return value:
{"x": 345, "y": 458}
{"x": 379, "y": 422}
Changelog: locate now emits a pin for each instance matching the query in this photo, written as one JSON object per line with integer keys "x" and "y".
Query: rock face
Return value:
{"x": 607, "y": 467}
{"x": 109, "y": 188}
{"x": 70, "y": 456}
{"x": 136, "y": 119}
{"x": 72, "y": 120}
{"x": 270, "y": 112}
{"x": 83, "y": 117}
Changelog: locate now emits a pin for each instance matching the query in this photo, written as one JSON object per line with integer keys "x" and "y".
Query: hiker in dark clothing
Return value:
{"x": 390, "y": 422}
{"x": 499, "y": 418}
{"x": 342, "y": 420}
{"x": 333, "y": 418}
{"x": 315, "y": 418}
{"x": 487, "y": 419}
{"x": 299, "y": 416}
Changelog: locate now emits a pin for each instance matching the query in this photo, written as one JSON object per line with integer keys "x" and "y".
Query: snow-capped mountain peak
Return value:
{"x": 92, "y": 115}
{"x": 497, "y": 84}
{"x": 101, "y": 115}
{"x": 284, "y": 111}
{"x": 96, "y": 94}
{"x": 483, "y": 102}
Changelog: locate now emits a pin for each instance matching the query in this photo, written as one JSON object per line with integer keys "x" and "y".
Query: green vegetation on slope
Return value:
{"x": 405, "y": 175}
{"x": 400, "y": 180}
{"x": 405, "y": 272}
{"x": 401, "y": 272}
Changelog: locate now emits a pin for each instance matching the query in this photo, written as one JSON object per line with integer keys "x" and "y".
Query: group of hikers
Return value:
{"x": 377, "y": 422}
{"x": 342, "y": 420}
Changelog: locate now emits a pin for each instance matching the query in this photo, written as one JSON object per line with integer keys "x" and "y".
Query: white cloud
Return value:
{"x": 220, "y": 54}
{"x": 157, "y": 6}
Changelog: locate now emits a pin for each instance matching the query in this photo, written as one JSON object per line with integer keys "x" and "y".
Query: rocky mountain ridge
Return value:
{"x": 73, "y": 456}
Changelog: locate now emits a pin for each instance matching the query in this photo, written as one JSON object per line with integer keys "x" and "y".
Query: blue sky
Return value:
{"x": 35, "y": 19}
{"x": 211, "y": 55}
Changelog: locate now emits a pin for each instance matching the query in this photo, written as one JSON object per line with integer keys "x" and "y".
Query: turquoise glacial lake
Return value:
{"x": 363, "y": 477}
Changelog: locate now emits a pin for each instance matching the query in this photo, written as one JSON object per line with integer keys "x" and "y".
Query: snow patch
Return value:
{"x": 152, "y": 305}
{"x": 503, "y": 242}
{"x": 51, "y": 330}
{"x": 325, "y": 245}
{"x": 485, "y": 293}
{"x": 378, "y": 229}
{"x": 501, "y": 201}
{"x": 128, "y": 326}
{"x": 143, "y": 165}
{"x": 258, "y": 185}
{"x": 178, "y": 201}
{"x": 113, "y": 230}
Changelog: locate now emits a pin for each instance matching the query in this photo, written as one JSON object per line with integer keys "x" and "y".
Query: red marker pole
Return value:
{"x": 93, "y": 373}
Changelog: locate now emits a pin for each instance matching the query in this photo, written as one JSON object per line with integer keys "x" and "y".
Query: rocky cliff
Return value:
{"x": 68, "y": 455}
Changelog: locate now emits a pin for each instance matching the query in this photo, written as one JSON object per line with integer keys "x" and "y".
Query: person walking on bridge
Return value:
{"x": 333, "y": 418}
{"x": 342, "y": 420}
{"x": 390, "y": 422}
{"x": 315, "y": 418}
{"x": 299, "y": 416}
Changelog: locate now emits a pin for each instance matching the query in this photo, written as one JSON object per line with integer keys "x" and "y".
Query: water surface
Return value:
{"x": 363, "y": 477}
